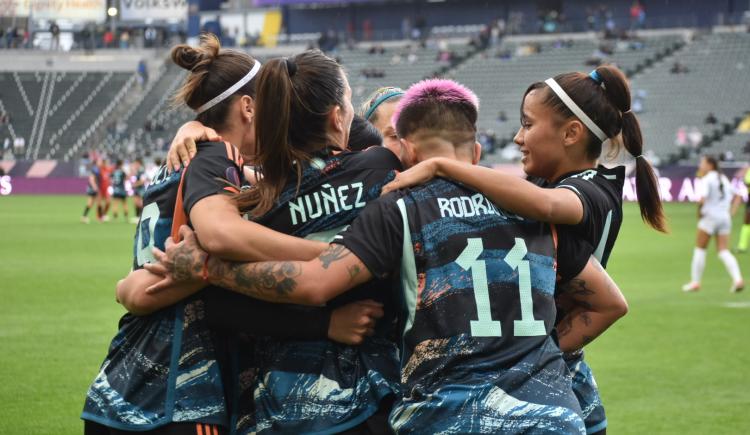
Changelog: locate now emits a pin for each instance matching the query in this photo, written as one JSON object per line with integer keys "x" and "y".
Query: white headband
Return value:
{"x": 575, "y": 109}
{"x": 234, "y": 88}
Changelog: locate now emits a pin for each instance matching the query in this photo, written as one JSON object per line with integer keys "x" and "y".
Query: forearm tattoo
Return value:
{"x": 271, "y": 281}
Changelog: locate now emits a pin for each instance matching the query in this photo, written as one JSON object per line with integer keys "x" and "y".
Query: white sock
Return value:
{"x": 731, "y": 264}
{"x": 699, "y": 263}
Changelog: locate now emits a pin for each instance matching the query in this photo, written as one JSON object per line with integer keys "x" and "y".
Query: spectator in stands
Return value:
{"x": 54, "y": 30}
{"x": 125, "y": 39}
{"x": 637, "y": 15}
{"x": 142, "y": 73}
{"x": 2, "y": 38}
{"x": 695, "y": 137}
{"x": 108, "y": 39}
{"x": 746, "y": 148}
{"x": 501, "y": 116}
{"x": 711, "y": 118}
{"x": 681, "y": 139}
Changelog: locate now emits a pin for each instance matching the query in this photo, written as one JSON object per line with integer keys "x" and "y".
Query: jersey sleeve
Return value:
{"x": 573, "y": 254}
{"x": 594, "y": 201}
{"x": 232, "y": 312}
{"x": 211, "y": 172}
{"x": 376, "y": 236}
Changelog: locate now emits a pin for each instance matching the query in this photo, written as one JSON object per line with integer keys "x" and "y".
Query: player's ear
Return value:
{"x": 477, "y": 153}
{"x": 574, "y": 132}
{"x": 247, "y": 106}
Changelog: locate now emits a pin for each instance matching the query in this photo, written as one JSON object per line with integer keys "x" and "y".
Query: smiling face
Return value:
{"x": 540, "y": 138}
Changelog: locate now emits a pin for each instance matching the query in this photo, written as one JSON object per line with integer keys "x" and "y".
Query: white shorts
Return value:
{"x": 715, "y": 225}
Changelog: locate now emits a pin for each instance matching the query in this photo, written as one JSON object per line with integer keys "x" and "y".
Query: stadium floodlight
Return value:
{"x": 112, "y": 12}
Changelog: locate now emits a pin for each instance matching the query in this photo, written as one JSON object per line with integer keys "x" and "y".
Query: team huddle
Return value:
{"x": 284, "y": 282}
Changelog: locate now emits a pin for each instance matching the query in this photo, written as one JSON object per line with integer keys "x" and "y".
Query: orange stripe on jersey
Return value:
{"x": 232, "y": 189}
{"x": 199, "y": 429}
{"x": 230, "y": 154}
{"x": 179, "y": 218}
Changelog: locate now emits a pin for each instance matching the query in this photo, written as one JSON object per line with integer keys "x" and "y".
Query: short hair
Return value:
{"x": 438, "y": 107}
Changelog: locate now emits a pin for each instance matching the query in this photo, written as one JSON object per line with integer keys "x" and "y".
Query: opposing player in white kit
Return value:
{"x": 718, "y": 203}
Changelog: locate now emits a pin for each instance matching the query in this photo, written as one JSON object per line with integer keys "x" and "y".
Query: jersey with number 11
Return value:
{"x": 478, "y": 285}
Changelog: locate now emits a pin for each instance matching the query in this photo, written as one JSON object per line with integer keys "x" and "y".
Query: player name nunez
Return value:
{"x": 469, "y": 206}
{"x": 326, "y": 201}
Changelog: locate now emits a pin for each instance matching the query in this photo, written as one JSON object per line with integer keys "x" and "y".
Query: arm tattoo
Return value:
{"x": 353, "y": 272}
{"x": 333, "y": 253}
{"x": 272, "y": 281}
{"x": 186, "y": 264}
{"x": 575, "y": 291}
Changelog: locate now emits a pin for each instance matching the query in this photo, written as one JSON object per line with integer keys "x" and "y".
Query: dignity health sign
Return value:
{"x": 74, "y": 10}
{"x": 153, "y": 9}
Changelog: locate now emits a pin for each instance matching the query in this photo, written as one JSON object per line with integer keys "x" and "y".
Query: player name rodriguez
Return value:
{"x": 326, "y": 201}
{"x": 469, "y": 206}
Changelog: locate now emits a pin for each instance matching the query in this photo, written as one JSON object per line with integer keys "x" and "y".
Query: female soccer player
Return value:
{"x": 308, "y": 188}
{"x": 92, "y": 191}
{"x": 378, "y": 109}
{"x": 718, "y": 203}
{"x": 139, "y": 185}
{"x": 565, "y": 120}
{"x": 162, "y": 373}
{"x": 119, "y": 193}
{"x": 460, "y": 259}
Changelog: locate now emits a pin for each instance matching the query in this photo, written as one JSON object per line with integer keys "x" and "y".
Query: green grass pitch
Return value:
{"x": 677, "y": 364}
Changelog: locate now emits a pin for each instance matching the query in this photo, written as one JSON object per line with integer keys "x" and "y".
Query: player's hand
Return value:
{"x": 353, "y": 322}
{"x": 183, "y": 146}
{"x": 414, "y": 176}
{"x": 181, "y": 262}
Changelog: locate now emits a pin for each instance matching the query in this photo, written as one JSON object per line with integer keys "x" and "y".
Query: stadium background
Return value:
{"x": 92, "y": 76}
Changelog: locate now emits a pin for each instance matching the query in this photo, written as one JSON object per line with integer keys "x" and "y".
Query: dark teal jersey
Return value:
{"x": 321, "y": 386}
{"x": 164, "y": 367}
{"x": 478, "y": 310}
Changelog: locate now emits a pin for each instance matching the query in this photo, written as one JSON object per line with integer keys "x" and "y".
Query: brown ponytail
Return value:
{"x": 646, "y": 184}
{"x": 212, "y": 71}
{"x": 607, "y": 103}
{"x": 295, "y": 97}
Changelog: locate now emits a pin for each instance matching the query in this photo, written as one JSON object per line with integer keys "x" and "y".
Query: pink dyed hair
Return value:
{"x": 443, "y": 90}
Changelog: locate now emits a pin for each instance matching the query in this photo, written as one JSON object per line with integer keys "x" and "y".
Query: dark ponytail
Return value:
{"x": 711, "y": 160}
{"x": 295, "y": 97}
{"x": 212, "y": 71}
{"x": 617, "y": 91}
{"x": 607, "y": 103}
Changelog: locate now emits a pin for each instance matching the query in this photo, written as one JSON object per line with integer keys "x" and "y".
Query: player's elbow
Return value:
{"x": 131, "y": 300}
{"x": 315, "y": 292}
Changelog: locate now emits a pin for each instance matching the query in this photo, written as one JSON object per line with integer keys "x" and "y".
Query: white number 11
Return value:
{"x": 484, "y": 326}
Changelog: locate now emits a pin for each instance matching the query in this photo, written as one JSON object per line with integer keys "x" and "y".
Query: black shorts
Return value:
{"x": 92, "y": 428}
{"x": 119, "y": 195}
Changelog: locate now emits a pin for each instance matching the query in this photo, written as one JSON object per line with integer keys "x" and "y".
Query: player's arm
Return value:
{"x": 512, "y": 193}
{"x": 225, "y": 234}
{"x": 313, "y": 282}
{"x": 130, "y": 292}
{"x": 594, "y": 304}
{"x": 92, "y": 183}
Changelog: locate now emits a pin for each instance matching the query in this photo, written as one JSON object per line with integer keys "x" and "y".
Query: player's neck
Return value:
{"x": 233, "y": 136}
{"x": 448, "y": 153}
